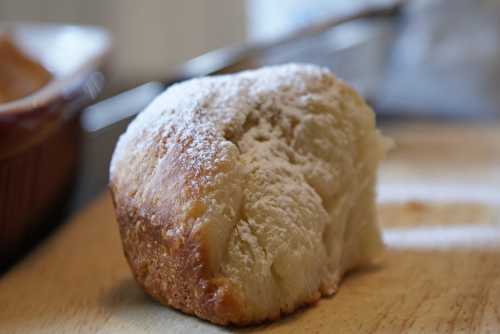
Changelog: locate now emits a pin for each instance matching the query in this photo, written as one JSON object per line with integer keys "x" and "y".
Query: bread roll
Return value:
{"x": 242, "y": 197}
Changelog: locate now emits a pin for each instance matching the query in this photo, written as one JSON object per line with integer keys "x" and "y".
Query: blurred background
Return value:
{"x": 435, "y": 60}
{"x": 457, "y": 41}
{"x": 152, "y": 36}
{"x": 148, "y": 36}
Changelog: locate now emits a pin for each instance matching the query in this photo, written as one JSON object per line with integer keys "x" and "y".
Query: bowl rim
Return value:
{"x": 59, "y": 86}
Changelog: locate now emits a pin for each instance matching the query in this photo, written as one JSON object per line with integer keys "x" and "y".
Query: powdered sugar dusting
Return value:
{"x": 215, "y": 107}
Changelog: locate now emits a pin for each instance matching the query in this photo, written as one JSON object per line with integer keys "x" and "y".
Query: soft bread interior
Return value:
{"x": 307, "y": 213}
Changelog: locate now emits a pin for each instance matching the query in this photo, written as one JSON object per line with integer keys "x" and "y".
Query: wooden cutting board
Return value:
{"x": 440, "y": 273}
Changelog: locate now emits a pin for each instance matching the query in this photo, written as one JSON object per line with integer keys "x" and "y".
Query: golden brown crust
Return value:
{"x": 177, "y": 277}
{"x": 181, "y": 279}
{"x": 173, "y": 267}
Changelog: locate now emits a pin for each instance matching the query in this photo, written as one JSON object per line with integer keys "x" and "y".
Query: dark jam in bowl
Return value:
{"x": 42, "y": 92}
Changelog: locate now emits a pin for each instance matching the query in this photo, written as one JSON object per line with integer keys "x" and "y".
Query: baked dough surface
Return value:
{"x": 242, "y": 197}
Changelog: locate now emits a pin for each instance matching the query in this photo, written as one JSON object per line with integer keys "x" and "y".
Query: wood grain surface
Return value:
{"x": 440, "y": 274}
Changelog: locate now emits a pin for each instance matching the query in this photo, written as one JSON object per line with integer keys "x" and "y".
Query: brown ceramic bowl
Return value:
{"x": 40, "y": 133}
